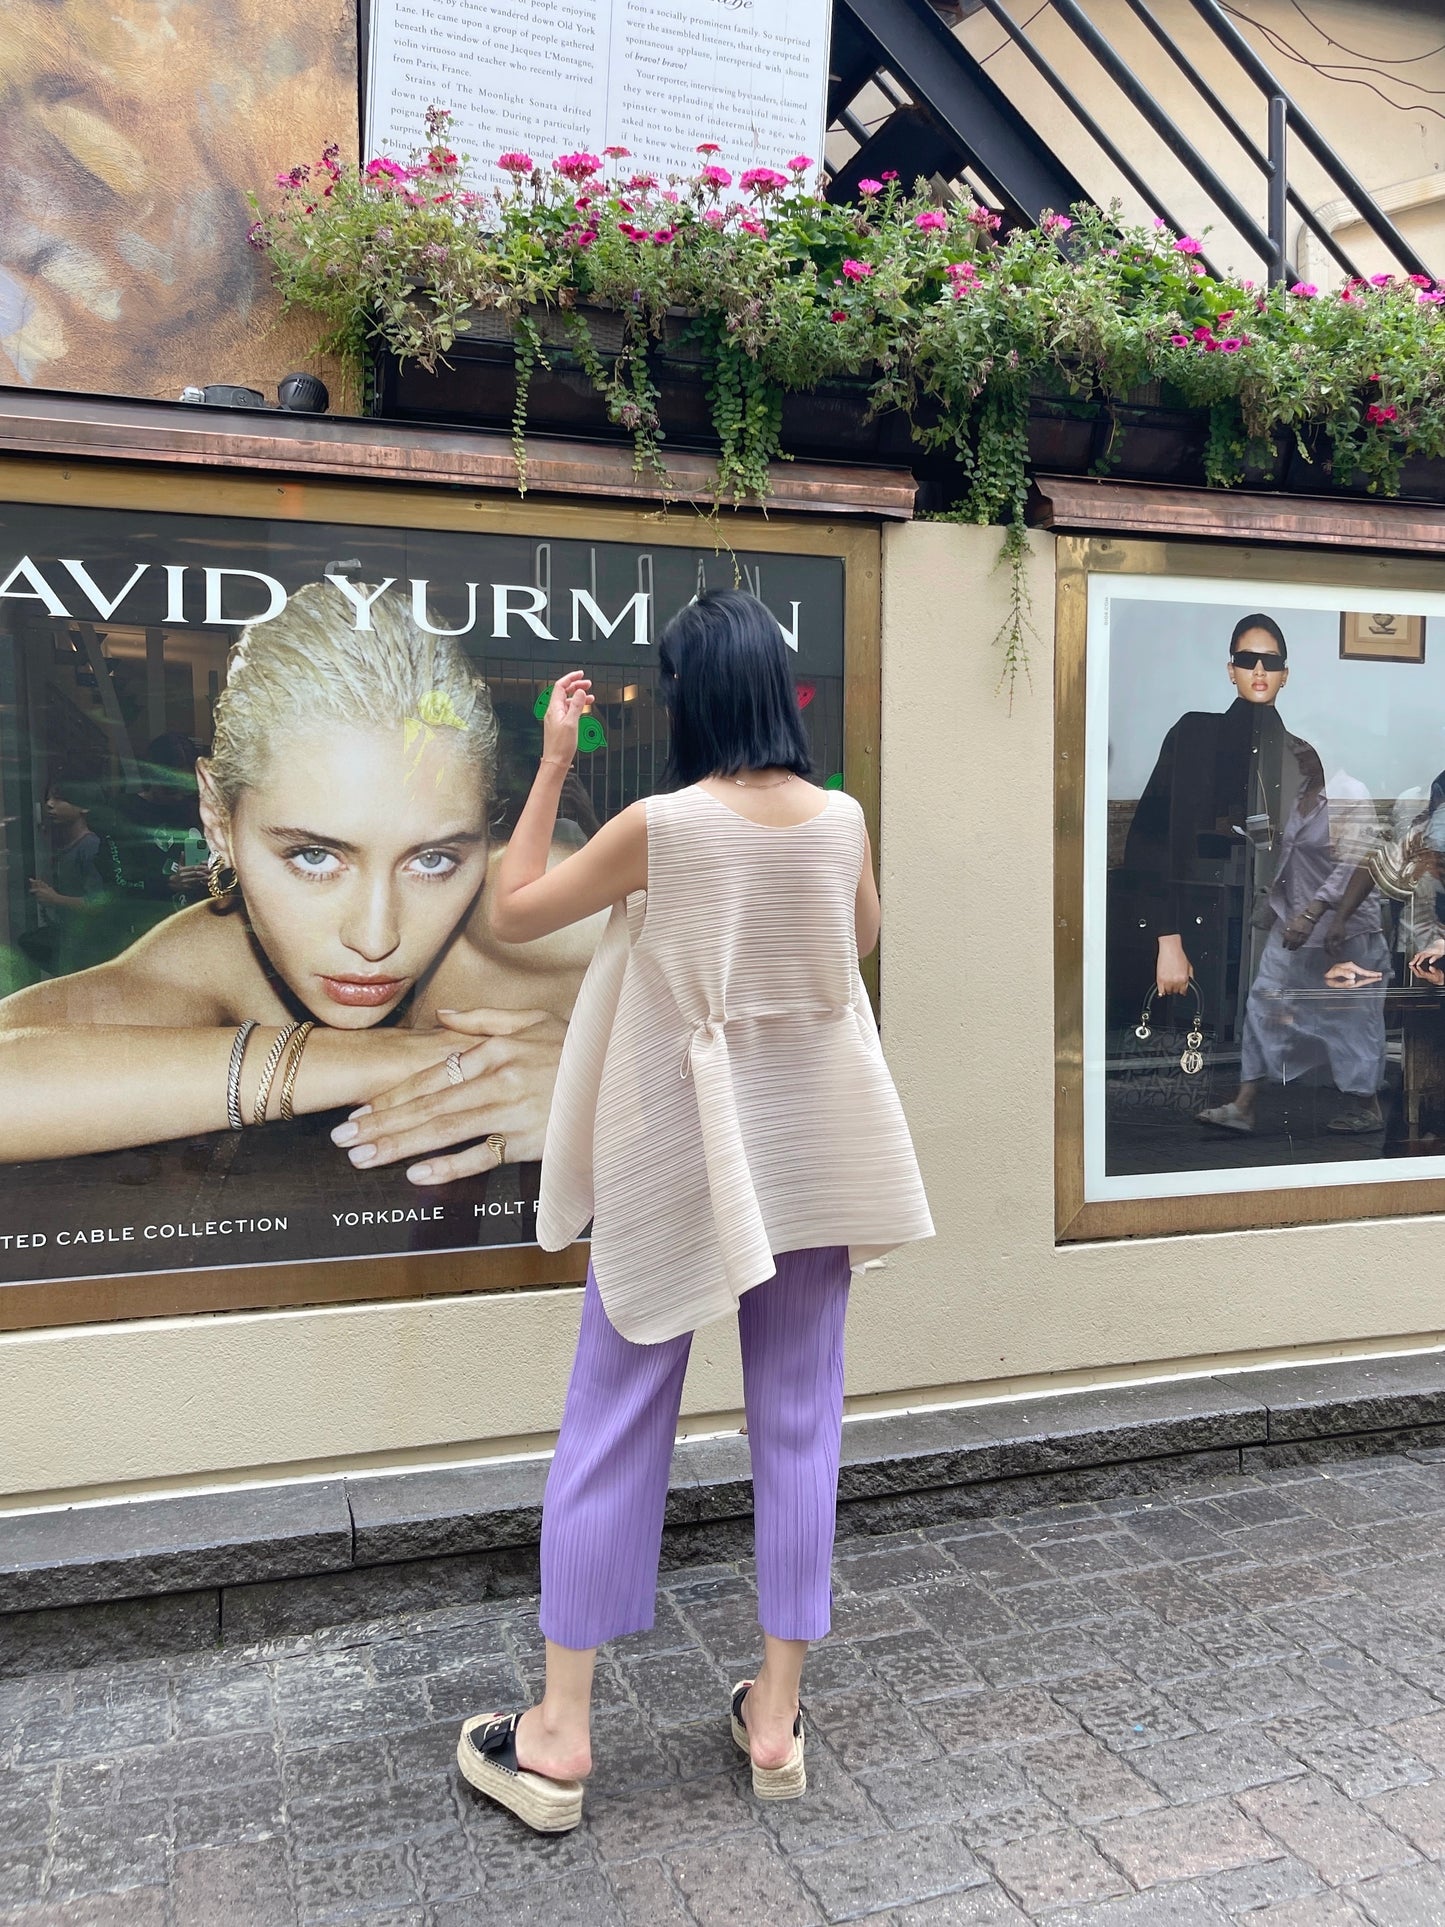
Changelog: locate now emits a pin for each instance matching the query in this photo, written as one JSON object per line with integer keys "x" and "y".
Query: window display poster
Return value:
{"x": 552, "y": 76}
{"x": 357, "y": 710}
{"x": 1264, "y": 974}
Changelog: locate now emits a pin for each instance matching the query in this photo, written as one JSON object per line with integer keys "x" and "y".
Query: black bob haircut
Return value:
{"x": 1270, "y": 628}
{"x": 731, "y": 700}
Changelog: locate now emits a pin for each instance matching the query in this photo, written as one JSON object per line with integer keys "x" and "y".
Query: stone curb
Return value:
{"x": 914, "y": 1468}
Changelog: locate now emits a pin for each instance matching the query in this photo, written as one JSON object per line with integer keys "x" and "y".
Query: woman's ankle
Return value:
{"x": 555, "y": 1741}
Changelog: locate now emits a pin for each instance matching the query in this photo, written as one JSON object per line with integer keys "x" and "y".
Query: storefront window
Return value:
{"x": 117, "y": 637}
{"x": 1264, "y": 886}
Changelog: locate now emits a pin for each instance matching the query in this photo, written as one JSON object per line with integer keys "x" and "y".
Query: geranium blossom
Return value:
{"x": 708, "y": 147}
{"x": 1186, "y": 244}
{"x": 1377, "y": 414}
{"x": 382, "y": 169}
{"x": 1303, "y": 290}
{"x": 763, "y": 180}
{"x": 576, "y": 167}
{"x": 1056, "y": 223}
{"x": 515, "y": 162}
{"x": 716, "y": 177}
{"x": 931, "y": 217}
{"x": 870, "y": 187}
{"x": 618, "y": 153}
{"x": 642, "y": 183}
{"x": 839, "y": 314}
{"x": 1381, "y": 280}
{"x": 799, "y": 164}
{"x": 857, "y": 270}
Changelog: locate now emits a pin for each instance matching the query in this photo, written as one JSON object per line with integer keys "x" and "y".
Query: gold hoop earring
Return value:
{"x": 216, "y": 890}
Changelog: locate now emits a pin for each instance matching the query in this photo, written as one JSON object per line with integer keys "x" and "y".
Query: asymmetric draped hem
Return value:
{"x": 722, "y": 1094}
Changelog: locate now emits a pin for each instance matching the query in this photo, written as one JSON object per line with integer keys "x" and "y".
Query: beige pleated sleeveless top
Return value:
{"x": 722, "y": 1094}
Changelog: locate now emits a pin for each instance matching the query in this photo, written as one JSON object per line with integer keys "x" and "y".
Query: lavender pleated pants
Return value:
{"x": 602, "y": 1514}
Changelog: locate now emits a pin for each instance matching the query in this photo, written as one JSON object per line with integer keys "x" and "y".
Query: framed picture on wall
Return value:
{"x": 218, "y": 658}
{"x": 1251, "y": 888}
{"x": 1381, "y": 638}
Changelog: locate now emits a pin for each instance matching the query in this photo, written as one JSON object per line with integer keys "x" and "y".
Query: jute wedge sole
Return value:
{"x": 487, "y": 1757}
{"x": 786, "y": 1782}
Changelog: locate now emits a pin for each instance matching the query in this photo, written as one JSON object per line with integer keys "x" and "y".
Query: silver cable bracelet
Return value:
{"x": 233, "y": 1074}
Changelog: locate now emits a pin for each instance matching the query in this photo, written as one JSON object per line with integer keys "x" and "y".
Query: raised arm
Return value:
{"x": 527, "y": 899}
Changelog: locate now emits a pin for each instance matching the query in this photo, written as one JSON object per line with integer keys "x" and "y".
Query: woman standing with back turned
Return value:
{"x": 724, "y": 1116}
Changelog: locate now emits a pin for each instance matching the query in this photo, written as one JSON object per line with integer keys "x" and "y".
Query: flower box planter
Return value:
{"x": 1149, "y": 435}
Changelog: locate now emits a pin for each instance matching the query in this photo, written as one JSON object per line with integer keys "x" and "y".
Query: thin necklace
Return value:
{"x": 764, "y": 786}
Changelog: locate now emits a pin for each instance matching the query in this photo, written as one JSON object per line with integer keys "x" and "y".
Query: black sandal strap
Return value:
{"x": 741, "y": 1694}
{"x": 498, "y": 1741}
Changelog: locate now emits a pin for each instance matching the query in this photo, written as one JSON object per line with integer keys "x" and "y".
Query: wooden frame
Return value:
{"x": 1079, "y": 558}
{"x": 1362, "y": 640}
{"x": 226, "y": 491}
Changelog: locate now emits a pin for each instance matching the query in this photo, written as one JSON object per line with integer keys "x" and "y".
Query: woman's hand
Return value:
{"x": 1425, "y": 964}
{"x": 504, "y": 1089}
{"x": 570, "y": 701}
{"x": 1173, "y": 972}
{"x": 1351, "y": 976}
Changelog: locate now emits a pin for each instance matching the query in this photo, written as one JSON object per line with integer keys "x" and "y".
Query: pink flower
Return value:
{"x": 1378, "y": 415}
{"x": 1381, "y": 280}
{"x": 1179, "y": 341}
{"x": 870, "y": 187}
{"x": 576, "y": 167}
{"x": 618, "y": 153}
{"x": 708, "y": 147}
{"x": 663, "y": 236}
{"x": 715, "y": 217}
{"x": 1432, "y": 299}
{"x": 1056, "y": 224}
{"x": 385, "y": 170}
{"x": 716, "y": 177}
{"x": 581, "y": 237}
{"x": 1186, "y": 244}
{"x": 669, "y": 195}
{"x": 839, "y": 314}
{"x": 984, "y": 219}
{"x": 642, "y": 183}
{"x": 857, "y": 270}
{"x": 1302, "y": 290}
{"x": 256, "y": 234}
{"x": 1232, "y": 344}
{"x": 752, "y": 227}
{"x": 799, "y": 164}
{"x": 632, "y": 232}
{"x": 1204, "y": 334}
{"x": 763, "y": 180}
{"x": 890, "y": 173}
{"x": 1158, "y": 223}
{"x": 931, "y": 217}
{"x": 962, "y": 270}
{"x": 1420, "y": 281}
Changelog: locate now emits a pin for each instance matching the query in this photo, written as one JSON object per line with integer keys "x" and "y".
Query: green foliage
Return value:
{"x": 926, "y": 307}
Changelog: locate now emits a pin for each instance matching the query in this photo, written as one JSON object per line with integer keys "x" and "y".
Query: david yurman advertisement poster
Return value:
{"x": 257, "y": 774}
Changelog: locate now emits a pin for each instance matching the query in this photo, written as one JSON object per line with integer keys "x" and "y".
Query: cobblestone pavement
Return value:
{"x": 1226, "y": 1703}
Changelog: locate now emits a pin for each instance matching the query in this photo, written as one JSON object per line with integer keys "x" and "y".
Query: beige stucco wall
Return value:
{"x": 990, "y": 1307}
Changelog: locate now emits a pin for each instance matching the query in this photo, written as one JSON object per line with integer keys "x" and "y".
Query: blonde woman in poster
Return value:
{"x": 346, "y": 945}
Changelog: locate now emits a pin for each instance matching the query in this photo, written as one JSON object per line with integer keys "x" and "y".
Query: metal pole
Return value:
{"x": 1361, "y": 200}
{"x": 1278, "y": 186}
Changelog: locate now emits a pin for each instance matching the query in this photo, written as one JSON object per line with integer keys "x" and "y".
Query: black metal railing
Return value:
{"x": 946, "y": 115}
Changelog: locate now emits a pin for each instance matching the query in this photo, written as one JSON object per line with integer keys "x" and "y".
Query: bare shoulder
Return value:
{"x": 197, "y": 967}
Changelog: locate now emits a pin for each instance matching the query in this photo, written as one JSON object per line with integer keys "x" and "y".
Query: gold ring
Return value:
{"x": 496, "y": 1142}
{"x": 455, "y": 1073}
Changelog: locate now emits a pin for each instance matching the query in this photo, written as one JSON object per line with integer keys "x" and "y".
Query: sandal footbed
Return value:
{"x": 786, "y": 1782}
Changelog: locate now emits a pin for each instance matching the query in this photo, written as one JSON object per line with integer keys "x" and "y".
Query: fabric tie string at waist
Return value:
{"x": 710, "y": 1029}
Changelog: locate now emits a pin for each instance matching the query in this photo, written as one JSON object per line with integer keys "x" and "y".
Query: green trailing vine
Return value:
{"x": 925, "y": 309}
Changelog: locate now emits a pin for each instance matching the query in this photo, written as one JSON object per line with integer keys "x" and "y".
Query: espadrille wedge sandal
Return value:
{"x": 786, "y": 1782}
{"x": 487, "y": 1757}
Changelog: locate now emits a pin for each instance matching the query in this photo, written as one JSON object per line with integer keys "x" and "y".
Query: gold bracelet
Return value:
{"x": 293, "y": 1064}
{"x": 268, "y": 1071}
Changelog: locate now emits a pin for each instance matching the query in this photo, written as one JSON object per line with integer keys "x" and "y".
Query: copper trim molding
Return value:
{"x": 337, "y": 448}
{"x": 1078, "y": 505}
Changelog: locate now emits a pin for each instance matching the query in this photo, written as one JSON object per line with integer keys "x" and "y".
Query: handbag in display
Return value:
{"x": 1163, "y": 1068}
